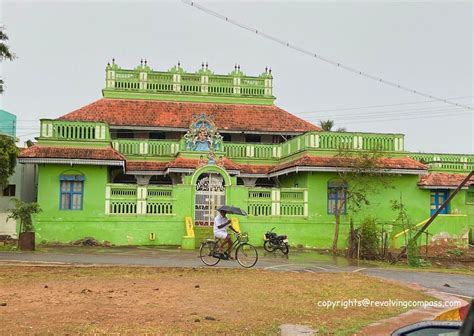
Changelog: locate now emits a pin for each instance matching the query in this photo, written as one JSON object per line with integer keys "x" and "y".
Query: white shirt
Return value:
{"x": 219, "y": 220}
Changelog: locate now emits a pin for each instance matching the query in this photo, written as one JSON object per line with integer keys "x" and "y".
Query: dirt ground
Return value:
{"x": 448, "y": 257}
{"x": 44, "y": 300}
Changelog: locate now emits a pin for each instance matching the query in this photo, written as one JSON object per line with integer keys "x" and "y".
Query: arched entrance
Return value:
{"x": 210, "y": 194}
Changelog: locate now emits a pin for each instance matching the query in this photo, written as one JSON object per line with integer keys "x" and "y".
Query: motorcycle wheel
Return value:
{"x": 268, "y": 246}
{"x": 285, "y": 248}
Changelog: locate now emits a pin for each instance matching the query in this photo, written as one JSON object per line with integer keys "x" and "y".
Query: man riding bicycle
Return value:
{"x": 221, "y": 222}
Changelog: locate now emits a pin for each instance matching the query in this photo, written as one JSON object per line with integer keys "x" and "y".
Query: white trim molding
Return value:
{"x": 73, "y": 161}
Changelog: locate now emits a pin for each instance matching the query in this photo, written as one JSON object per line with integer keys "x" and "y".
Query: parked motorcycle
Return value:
{"x": 274, "y": 242}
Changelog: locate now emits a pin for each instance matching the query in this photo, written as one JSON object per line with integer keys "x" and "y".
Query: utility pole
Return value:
{"x": 433, "y": 217}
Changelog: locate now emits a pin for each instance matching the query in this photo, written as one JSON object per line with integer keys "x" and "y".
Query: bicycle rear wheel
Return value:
{"x": 246, "y": 255}
{"x": 206, "y": 253}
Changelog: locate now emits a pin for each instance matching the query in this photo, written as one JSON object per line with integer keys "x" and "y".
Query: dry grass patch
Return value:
{"x": 126, "y": 300}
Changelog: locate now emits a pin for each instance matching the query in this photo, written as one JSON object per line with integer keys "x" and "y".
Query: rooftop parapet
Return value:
{"x": 178, "y": 85}
{"x": 74, "y": 130}
{"x": 446, "y": 162}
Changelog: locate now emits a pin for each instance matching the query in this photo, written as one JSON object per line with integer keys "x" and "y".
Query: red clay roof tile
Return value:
{"x": 194, "y": 163}
{"x": 318, "y": 161}
{"x": 442, "y": 179}
{"x": 146, "y": 165}
{"x": 176, "y": 163}
{"x": 38, "y": 151}
{"x": 235, "y": 117}
{"x": 255, "y": 169}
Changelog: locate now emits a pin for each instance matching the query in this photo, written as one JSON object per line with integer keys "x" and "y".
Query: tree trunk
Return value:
{"x": 26, "y": 241}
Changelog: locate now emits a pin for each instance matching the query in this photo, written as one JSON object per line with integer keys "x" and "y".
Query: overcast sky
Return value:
{"x": 63, "y": 47}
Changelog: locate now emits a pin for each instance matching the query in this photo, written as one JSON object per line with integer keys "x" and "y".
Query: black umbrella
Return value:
{"x": 232, "y": 210}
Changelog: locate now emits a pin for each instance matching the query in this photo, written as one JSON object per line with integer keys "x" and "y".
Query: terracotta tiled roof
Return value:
{"x": 146, "y": 165}
{"x": 318, "y": 161}
{"x": 194, "y": 163}
{"x": 235, "y": 117}
{"x": 443, "y": 179}
{"x": 255, "y": 169}
{"x": 177, "y": 163}
{"x": 38, "y": 151}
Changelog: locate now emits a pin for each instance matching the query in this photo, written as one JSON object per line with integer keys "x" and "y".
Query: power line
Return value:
{"x": 383, "y": 105}
{"x": 449, "y": 112}
{"x": 428, "y": 114}
{"x": 322, "y": 58}
{"x": 397, "y": 119}
{"x": 382, "y": 112}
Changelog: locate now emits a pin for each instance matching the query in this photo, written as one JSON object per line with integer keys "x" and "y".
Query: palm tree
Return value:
{"x": 326, "y": 125}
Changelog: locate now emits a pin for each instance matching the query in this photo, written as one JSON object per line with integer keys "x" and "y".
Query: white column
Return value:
{"x": 107, "y": 200}
{"x": 110, "y": 79}
{"x": 250, "y": 151}
{"x": 204, "y": 84}
{"x": 47, "y": 129}
{"x": 143, "y": 80}
{"x": 305, "y": 199}
{"x": 176, "y": 82}
{"x": 236, "y": 85}
{"x": 141, "y": 199}
{"x": 268, "y": 87}
{"x": 275, "y": 202}
{"x": 316, "y": 140}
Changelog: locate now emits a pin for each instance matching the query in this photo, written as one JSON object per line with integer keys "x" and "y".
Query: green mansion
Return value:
{"x": 149, "y": 162}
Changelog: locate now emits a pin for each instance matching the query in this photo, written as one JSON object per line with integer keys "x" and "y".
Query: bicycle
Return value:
{"x": 245, "y": 253}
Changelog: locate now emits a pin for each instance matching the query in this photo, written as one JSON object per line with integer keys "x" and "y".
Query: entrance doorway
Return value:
{"x": 210, "y": 195}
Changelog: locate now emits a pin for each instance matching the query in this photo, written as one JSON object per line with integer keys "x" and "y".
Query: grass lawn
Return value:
{"x": 139, "y": 300}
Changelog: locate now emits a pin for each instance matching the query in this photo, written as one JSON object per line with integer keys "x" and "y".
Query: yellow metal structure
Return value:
{"x": 235, "y": 224}
{"x": 189, "y": 227}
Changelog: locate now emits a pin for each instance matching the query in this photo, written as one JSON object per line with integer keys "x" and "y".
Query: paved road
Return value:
{"x": 301, "y": 261}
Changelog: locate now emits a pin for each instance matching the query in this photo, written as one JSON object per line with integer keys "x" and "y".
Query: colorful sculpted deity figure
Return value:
{"x": 202, "y": 141}
{"x": 202, "y": 136}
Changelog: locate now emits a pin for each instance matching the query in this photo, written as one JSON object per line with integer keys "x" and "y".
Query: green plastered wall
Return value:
{"x": 458, "y": 222}
{"x": 55, "y": 225}
{"x": 316, "y": 230}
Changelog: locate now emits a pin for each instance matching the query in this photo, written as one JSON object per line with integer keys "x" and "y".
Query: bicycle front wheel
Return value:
{"x": 246, "y": 255}
{"x": 206, "y": 253}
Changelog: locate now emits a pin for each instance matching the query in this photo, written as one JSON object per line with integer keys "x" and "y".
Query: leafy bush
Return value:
{"x": 369, "y": 239}
{"x": 23, "y": 212}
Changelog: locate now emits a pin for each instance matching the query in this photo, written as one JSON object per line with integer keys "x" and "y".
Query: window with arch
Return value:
{"x": 337, "y": 193}
{"x": 72, "y": 192}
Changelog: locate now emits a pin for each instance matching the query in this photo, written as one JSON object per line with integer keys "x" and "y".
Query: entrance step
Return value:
{"x": 203, "y": 233}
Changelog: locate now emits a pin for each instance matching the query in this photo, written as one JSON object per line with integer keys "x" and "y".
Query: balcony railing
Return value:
{"x": 146, "y": 147}
{"x": 74, "y": 130}
{"x": 129, "y": 199}
{"x": 278, "y": 202}
{"x": 343, "y": 140}
{"x": 332, "y": 141}
{"x": 204, "y": 82}
{"x": 446, "y": 162}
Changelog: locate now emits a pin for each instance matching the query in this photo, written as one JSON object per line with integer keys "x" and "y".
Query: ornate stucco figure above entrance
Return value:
{"x": 202, "y": 135}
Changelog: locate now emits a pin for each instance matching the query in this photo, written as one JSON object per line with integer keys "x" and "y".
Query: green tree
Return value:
{"x": 408, "y": 229}
{"x": 364, "y": 177}
{"x": 5, "y": 52}
{"x": 8, "y": 154}
{"x": 326, "y": 125}
{"x": 22, "y": 212}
